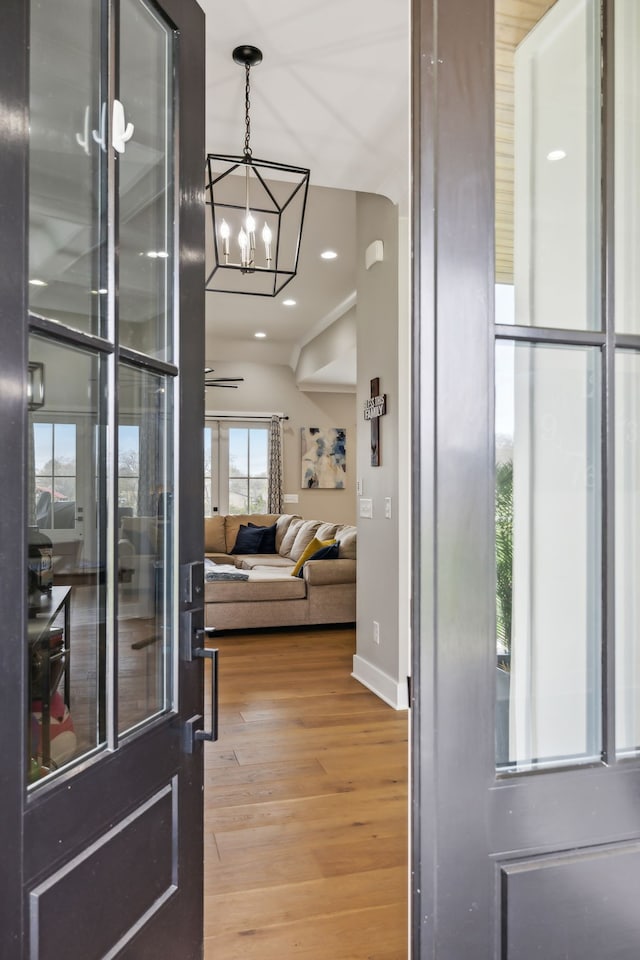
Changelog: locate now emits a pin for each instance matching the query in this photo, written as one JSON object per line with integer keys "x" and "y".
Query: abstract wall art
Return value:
{"x": 324, "y": 458}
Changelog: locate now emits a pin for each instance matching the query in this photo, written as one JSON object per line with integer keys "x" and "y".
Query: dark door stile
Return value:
{"x": 46, "y": 832}
{"x": 496, "y": 858}
{"x": 14, "y": 133}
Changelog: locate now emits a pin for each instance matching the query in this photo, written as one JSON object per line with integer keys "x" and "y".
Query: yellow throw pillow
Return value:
{"x": 308, "y": 551}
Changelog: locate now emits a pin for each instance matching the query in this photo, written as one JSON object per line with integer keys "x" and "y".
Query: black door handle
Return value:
{"x": 206, "y": 654}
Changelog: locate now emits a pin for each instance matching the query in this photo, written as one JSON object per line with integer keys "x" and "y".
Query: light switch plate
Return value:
{"x": 387, "y": 507}
{"x": 366, "y": 507}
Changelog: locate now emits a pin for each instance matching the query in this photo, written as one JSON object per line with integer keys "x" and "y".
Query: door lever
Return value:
{"x": 122, "y": 132}
{"x": 207, "y": 654}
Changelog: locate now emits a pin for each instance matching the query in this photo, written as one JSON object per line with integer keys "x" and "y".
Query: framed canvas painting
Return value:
{"x": 324, "y": 459}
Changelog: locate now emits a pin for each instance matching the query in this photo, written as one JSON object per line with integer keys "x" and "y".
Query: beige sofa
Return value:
{"x": 268, "y": 595}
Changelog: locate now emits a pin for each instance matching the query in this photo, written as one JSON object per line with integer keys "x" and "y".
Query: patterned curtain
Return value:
{"x": 275, "y": 466}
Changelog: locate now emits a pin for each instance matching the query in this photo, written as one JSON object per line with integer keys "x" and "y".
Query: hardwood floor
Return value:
{"x": 306, "y": 806}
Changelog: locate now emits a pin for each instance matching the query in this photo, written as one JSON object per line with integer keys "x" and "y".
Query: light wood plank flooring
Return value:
{"x": 305, "y": 806}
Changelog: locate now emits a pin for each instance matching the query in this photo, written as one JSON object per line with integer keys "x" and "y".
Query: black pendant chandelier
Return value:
{"x": 257, "y": 212}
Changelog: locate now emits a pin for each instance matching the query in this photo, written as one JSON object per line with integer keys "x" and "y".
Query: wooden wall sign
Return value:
{"x": 374, "y": 408}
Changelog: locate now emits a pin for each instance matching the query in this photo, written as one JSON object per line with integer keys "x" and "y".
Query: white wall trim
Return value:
{"x": 380, "y": 683}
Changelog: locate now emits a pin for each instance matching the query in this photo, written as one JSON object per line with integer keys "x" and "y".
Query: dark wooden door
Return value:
{"x": 102, "y": 317}
{"x": 526, "y": 774}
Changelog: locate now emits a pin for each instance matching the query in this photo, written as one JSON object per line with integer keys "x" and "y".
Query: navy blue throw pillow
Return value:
{"x": 324, "y": 553}
{"x": 249, "y": 540}
{"x": 268, "y": 542}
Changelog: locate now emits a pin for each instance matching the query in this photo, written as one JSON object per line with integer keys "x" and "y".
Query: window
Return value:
{"x": 128, "y": 466}
{"x": 55, "y": 474}
{"x": 236, "y": 469}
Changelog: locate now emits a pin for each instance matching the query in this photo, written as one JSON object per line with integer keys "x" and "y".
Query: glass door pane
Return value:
{"x": 145, "y": 546}
{"x": 548, "y": 553}
{"x": 627, "y": 150}
{"x": 67, "y": 164}
{"x": 66, "y": 594}
{"x": 548, "y": 162}
{"x": 145, "y": 181}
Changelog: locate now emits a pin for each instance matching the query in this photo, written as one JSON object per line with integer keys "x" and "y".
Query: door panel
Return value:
{"x": 124, "y": 851}
{"x": 538, "y": 856}
{"x": 122, "y": 818}
{"x": 596, "y": 886}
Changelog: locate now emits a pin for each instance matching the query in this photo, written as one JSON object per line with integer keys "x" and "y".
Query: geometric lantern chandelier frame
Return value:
{"x": 257, "y": 210}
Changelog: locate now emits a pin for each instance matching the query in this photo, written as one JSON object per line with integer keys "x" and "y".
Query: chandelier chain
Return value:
{"x": 247, "y": 121}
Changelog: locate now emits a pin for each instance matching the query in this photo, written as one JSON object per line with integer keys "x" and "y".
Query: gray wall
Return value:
{"x": 378, "y": 665}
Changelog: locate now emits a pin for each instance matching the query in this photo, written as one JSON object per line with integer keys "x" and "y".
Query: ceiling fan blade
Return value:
{"x": 229, "y": 386}
{"x": 227, "y": 380}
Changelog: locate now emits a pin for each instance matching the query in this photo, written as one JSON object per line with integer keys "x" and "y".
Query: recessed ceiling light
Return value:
{"x": 38, "y": 283}
{"x": 260, "y": 335}
{"x": 288, "y": 303}
{"x": 154, "y": 254}
{"x": 329, "y": 255}
{"x": 101, "y": 290}
{"x": 555, "y": 155}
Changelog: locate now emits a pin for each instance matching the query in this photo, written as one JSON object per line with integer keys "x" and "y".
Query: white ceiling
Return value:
{"x": 332, "y": 94}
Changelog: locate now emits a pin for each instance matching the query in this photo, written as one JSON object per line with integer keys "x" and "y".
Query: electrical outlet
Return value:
{"x": 366, "y": 507}
{"x": 376, "y": 632}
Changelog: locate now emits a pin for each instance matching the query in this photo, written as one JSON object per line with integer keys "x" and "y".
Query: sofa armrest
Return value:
{"x": 324, "y": 572}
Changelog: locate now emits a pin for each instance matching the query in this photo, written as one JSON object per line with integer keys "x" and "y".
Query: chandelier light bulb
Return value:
{"x": 251, "y": 232}
{"x": 266, "y": 237}
{"x": 243, "y": 241}
{"x": 225, "y": 233}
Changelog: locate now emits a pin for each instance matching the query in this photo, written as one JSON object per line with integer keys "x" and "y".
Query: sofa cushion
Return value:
{"x": 288, "y": 539}
{"x": 347, "y": 539}
{"x": 214, "y": 541}
{"x": 282, "y": 525}
{"x": 264, "y": 583}
{"x": 327, "y": 531}
{"x": 304, "y": 535}
{"x": 312, "y": 547}
{"x": 327, "y": 552}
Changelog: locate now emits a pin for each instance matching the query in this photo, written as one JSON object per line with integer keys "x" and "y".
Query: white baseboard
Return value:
{"x": 380, "y": 683}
